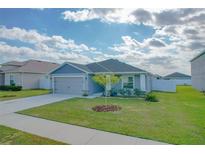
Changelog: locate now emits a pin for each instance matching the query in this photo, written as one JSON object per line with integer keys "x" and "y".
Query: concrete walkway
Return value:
{"x": 69, "y": 133}
{"x": 11, "y": 106}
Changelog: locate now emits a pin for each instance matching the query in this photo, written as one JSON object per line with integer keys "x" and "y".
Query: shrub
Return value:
{"x": 113, "y": 92}
{"x": 85, "y": 93}
{"x": 10, "y": 88}
{"x": 139, "y": 93}
{"x": 16, "y": 88}
{"x": 151, "y": 98}
{"x": 121, "y": 92}
{"x": 128, "y": 92}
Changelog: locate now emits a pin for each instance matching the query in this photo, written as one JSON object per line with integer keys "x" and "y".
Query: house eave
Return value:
{"x": 196, "y": 57}
{"x": 67, "y": 63}
{"x": 119, "y": 73}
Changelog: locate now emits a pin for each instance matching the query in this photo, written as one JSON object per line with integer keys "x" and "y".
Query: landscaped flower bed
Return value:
{"x": 106, "y": 108}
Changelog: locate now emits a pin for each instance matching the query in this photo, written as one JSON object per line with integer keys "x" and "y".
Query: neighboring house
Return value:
{"x": 26, "y": 74}
{"x": 72, "y": 78}
{"x": 198, "y": 71}
{"x": 177, "y": 76}
{"x": 1, "y": 77}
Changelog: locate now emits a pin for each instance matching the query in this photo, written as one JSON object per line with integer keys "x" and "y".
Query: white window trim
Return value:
{"x": 122, "y": 78}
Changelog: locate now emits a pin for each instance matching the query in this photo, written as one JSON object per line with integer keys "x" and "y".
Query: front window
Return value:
{"x": 12, "y": 80}
{"x": 128, "y": 82}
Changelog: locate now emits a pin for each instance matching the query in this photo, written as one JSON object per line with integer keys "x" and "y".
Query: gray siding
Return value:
{"x": 198, "y": 73}
{"x": 31, "y": 80}
{"x": 67, "y": 69}
{"x": 148, "y": 83}
{"x": 26, "y": 80}
{"x": 117, "y": 85}
{"x": 1, "y": 79}
{"x": 16, "y": 76}
{"x": 93, "y": 87}
{"x": 137, "y": 81}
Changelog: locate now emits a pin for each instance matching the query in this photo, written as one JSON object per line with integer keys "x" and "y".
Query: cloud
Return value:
{"x": 154, "y": 55}
{"x": 157, "y": 17}
{"x": 81, "y": 15}
{"x": 104, "y": 15}
{"x": 33, "y": 37}
{"x": 9, "y": 52}
{"x": 55, "y": 48}
{"x": 179, "y": 35}
{"x": 154, "y": 42}
{"x": 142, "y": 16}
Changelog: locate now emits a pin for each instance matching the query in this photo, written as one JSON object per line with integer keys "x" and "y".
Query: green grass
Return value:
{"x": 8, "y": 95}
{"x": 178, "y": 118}
{"x": 16, "y": 137}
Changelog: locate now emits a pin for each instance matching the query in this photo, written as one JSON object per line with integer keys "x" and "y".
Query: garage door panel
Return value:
{"x": 68, "y": 85}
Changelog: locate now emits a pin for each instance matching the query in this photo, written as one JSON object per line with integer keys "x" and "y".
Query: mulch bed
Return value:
{"x": 106, "y": 108}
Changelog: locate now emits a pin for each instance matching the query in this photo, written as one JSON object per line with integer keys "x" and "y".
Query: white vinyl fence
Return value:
{"x": 183, "y": 82}
{"x": 163, "y": 85}
{"x": 168, "y": 85}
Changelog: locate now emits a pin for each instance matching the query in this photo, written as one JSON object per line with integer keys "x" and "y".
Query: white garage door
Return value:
{"x": 68, "y": 85}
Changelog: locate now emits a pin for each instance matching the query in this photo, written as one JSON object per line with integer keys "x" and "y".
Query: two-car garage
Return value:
{"x": 68, "y": 85}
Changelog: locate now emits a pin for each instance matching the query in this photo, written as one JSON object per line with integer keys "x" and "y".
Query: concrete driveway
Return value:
{"x": 11, "y": 106}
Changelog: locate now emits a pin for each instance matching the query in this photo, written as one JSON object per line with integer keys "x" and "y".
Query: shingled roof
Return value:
{"x": 112, "y": 65}
{"x": 177, "y": 75}
{"x": 108, "y": 66}
{"x": 32, "y": 66}
{"x": 14, "y": 63}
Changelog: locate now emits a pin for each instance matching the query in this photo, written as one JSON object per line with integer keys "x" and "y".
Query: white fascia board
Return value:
{"x": 67, "y": 63}
{"x": 120, "y": 73}
{"x": 67, "y": 76}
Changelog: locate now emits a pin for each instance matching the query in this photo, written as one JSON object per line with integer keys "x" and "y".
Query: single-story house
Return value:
{"x": 72, "y": 78}
{"x": 177, "y": 76}
{"x": 198, "y": 71}
{"x": 26, "y": 74}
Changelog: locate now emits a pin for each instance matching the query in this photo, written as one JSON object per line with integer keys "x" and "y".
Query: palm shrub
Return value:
{"x": 151, "y": 98}
{"x": 102, "y": 80}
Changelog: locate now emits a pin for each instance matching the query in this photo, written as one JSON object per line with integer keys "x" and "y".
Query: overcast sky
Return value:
{"x": 158, "y": 40}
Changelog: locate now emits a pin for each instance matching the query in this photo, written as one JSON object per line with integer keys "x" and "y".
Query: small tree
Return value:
{"x": 102, "y": 80}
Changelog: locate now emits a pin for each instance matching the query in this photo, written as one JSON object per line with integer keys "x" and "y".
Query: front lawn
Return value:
{"x": 16, "y": 137}
{"x": 178, "y": 118}
{"x": 8, "y": 95}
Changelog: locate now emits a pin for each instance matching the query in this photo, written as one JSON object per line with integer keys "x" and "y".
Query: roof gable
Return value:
{"x": 177, "y": 74}
{"x": 81, "y": 67}
{"x": 67, "y": 68}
